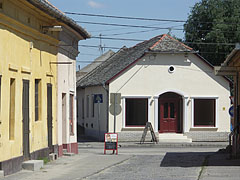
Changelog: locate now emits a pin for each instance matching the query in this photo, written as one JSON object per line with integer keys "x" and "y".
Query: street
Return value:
{"x": 139, "y": 162}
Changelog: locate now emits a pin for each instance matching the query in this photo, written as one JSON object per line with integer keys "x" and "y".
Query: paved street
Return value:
{"x": 135, "y": 162}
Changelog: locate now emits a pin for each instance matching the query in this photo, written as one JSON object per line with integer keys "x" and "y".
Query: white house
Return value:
{"x": 161, "y": 81}
{"x": 66, "y": 91}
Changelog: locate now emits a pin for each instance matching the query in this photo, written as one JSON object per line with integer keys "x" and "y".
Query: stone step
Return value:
{"x": 68, "y": 154}
{"x": 32, "y": 165}
{"x": 174, "y": 137}
{"x": 1, "y": 173}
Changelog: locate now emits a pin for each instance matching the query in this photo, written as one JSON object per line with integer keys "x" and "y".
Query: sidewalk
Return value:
{"x": 198, "y": 159}
{"x": 92, "y": 144}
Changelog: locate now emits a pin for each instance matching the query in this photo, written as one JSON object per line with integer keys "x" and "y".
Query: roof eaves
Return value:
{"x": 60, "y": 16}
{"x": 230, "y": 56}
{"x": 96, "y": 69}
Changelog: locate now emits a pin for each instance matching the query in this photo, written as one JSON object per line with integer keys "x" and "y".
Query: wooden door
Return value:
{"x": 169, "y": 114}
{"x": 25, "y": 114}
{"x": 49, "y": 116}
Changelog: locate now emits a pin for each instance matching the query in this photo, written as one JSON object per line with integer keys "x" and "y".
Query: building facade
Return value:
{"x": 161, "y": 81}
{"x": 67, "y": 112}
{"x": 29, "y": 49}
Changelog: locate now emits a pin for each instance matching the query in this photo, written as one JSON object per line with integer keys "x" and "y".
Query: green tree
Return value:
{"x": 213, "y": 28}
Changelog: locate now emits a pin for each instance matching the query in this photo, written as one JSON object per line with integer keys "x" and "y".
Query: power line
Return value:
{"x": 135, "y": 32}
{"x": 145, "y": 27}
{"x": 94, "y": 46}
{"x": 124, "y": 17}
{"x": 117, "y": 29}
{"x": 127, "y": 25}
{"x": 120, "y": 48}
{"x": 128, "y": 39}
{"x": 143, "y": 18}
{"x": 86, "y": 54}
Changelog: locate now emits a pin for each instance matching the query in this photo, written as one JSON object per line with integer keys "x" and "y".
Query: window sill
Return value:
{"x": 133, "y": 128}
{"x": 203, "y": 129}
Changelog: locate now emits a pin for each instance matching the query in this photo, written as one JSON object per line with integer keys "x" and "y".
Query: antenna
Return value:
{"x": 101, "y": 47}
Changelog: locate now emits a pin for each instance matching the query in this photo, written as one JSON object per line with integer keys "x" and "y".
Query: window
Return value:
{"x": 204, "y": 112}
{"x": 87, "y": 106}
{"x": 93, "y": 105}
{"x": 37, "y": 99}
{"x": 12, "y": 109}
{"x": 71, "y": 114}
{"x": 82, "y": 108}
{"x": 136, "y": 112}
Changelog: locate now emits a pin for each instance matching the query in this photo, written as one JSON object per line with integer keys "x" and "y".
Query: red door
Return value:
{"x": 168, "y": 115}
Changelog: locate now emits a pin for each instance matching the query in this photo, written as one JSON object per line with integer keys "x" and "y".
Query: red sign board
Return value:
{"x": 111, "y": 142}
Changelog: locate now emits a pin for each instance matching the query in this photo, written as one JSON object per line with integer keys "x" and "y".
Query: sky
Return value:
{"x": 150, "y": 9}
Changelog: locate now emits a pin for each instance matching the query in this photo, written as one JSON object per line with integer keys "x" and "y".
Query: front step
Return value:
{"x": 174, "y": 138}
{"x": 1, "y": 173}
{"x": 32, "y": 165}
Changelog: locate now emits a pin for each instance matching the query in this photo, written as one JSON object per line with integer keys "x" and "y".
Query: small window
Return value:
{"x": 165, "y": 110}
{"x": 93, "y": 106}
{"x": 87, "y": 106}
{"x": 136, "y": 112}
{"x": 204, "y": 112}
{"x": 172, "y": 110}
{"x": 37, "y": 99}
{"x": 171, "y": 69}
{"x": 82, "y": 108}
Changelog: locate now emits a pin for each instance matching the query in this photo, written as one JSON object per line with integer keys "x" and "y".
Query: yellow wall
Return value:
{"x": 20, "y": 26}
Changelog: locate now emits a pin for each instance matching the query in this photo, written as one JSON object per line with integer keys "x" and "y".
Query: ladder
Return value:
{"x": 147, "y": 127}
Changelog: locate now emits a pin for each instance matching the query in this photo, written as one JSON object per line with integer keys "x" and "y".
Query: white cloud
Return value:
{"x": 94, "y": 4}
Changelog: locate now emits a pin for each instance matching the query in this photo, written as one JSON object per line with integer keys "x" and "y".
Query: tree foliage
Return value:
{"x": 216, "y": 23}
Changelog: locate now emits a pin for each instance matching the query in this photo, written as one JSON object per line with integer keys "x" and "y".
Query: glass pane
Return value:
{"x": 172, "y": 110}
{"x": 165, "y": 110}
{"x": 136, "y": 112}
{"x": 204, "y": 112}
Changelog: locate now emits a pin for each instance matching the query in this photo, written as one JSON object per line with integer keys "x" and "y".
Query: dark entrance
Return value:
{"x": 170, "y": 116}
{"x": 25, "y": 114}
{"x": 49, "y": 116}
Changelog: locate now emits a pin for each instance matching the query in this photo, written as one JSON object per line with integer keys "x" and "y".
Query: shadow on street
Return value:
{"x": 197, "y": 159}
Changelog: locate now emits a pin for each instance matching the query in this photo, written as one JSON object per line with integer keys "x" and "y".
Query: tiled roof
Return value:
{"x": 127, "y": 56}
{"x": 81, "y": 73}
{"x": 169, "y": 44}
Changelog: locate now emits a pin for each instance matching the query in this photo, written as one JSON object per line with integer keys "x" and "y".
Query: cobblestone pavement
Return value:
{"x": 138, "y": 163}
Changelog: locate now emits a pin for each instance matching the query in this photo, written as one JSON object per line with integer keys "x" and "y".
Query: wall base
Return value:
{"x": 60, "y": 150}
{"x": 71, "y": 148}
{"x": 12, "y": 165}
{"x": 15, "y": 164}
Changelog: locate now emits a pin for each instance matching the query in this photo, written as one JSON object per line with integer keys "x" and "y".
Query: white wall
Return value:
{"x": 192, "y": 77}
{"x": 67, "y": 85}
{"x": 90, "y": 123}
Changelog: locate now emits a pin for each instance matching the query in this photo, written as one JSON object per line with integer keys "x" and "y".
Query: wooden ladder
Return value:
{"x": 147, "y": 127}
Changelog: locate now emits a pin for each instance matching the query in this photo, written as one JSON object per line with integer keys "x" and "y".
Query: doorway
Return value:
{"x": 49, "y": 117}
{"x": 25, "y": 114}
{"x": 170, "y": 113}
{"x": 64, "y": 118}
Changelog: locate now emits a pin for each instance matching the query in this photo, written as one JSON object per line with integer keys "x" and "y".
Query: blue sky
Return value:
{"x": 157, "y": 9}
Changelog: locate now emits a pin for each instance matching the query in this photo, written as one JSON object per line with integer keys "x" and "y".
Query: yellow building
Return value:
{"x": 29, "y": 33}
